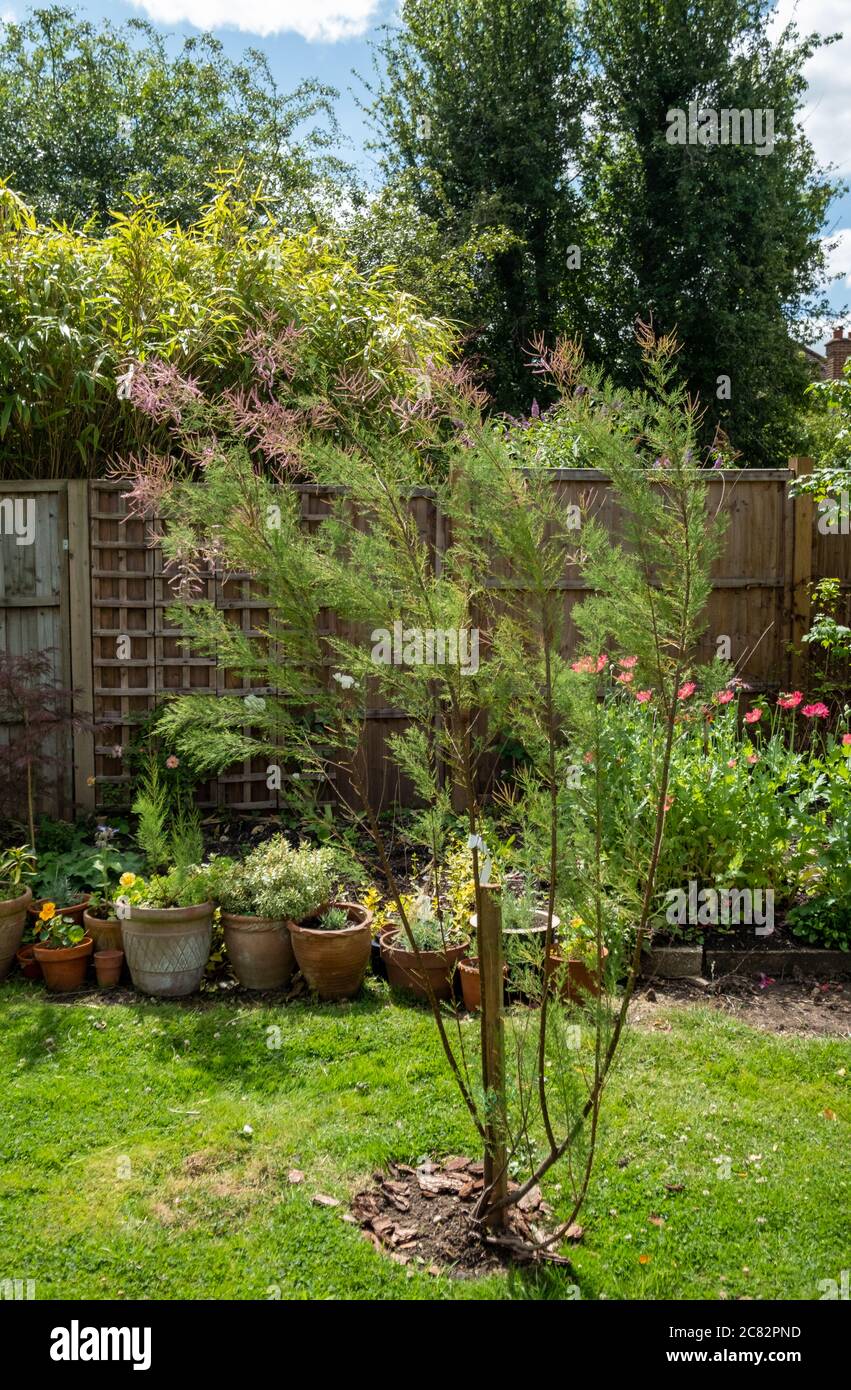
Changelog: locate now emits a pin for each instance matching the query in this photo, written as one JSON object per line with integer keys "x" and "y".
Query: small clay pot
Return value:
{"x": 406, "y": 971}
{"x": 578, "y": 980}
{"x": 30, "y": 967}
{"x": 65, "y": 968}
{"x": 334, "y": 962}
{"x": 104, "y": 931}
{"x": 108, "y": 967}
{"x": 13, "y": 918}
{"x": 260, "y": 950}
{"x": 74, "y": 914}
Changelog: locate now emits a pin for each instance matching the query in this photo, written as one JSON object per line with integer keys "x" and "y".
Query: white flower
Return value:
{"x": 345, "y": 681}
{"x": 246, "y": 1129}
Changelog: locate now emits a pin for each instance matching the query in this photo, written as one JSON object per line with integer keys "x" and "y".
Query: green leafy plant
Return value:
{"x": 168, "y": 829}
{"x": 335, "y": 919}
{"x": 17, "y": 869}
{"x": 93, "y": 323}
{"x": 287, "y": 883}
{"x": 53, "y": 884}
{"x": 178, "y": 887}
{"x": 152, "y": 805}
{"x": 829, "y": 642}
{"x": 824, "y": 918}
{"x": 429, "y": 930}
{"x": 55, "y": 932}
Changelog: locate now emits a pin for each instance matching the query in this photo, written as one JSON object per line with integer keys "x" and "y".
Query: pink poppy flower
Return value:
{"x": 624, "y": 677}
{"x": 669, "y": 801}
{"x": 628, "y": 662}
{"x": 731, "y": 762}
{"x": 753, "y": 715}
{"x": 686, "y": 690}
{"x": 752, "y": 758}
{"x": 790, "y": 701}
{"x": 723, "y": 697}
{"x": 642, "y": 696}
{"x": 172, "y": 761}
{"x": 816, "y": 711}
{"x": 846, "y": 740}
{"x": 589, "y": 757}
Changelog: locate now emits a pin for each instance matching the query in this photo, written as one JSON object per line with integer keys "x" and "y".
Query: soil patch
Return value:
{"x": 808, "y": 1007}
{"x": 425, "y": 1217}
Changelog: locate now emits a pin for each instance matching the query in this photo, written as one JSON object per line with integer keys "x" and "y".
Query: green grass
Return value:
{"x": 84, "y": 1089}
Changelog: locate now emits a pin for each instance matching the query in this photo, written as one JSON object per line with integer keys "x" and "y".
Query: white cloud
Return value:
{"x": 826, "y": 116}
{"x": 839, "y": 259}
{"x": 325, "y": 21}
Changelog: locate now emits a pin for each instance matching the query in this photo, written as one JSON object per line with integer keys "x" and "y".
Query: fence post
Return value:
{"x": 802, "y": 570}
{"x": 489, "y": 932}
{"x": 80, "y": 623}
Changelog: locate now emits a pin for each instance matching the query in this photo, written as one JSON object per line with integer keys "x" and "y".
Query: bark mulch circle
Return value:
{"x": 425, "y": 1217}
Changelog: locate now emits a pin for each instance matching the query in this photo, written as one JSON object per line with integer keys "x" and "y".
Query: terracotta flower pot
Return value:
{"x": 260, "y": 950}
{"x": 578, "y": 980}
{"x": 405, "y": 971}
{"x": 13, "y": 918}
{"x": 471, "y": 982}
{"x": 28, "y": 963}
{"x": 104, "y": 931}
{"x": 167, "y": 948}
{"x": 334, "y": 962}
{"x": 74, "y": 913}
{"x": 64, "y": 969}
{"x": 108, "y": 965}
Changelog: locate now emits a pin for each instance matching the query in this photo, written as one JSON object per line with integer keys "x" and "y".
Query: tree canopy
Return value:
{"x": 549, "y": 122}
{"x": 91, "y": 114}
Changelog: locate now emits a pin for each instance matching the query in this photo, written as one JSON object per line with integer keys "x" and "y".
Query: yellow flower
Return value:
{"x": 127, "y": 880}
{"x": 576, "y": 922}
{"x": 47, "y": 911}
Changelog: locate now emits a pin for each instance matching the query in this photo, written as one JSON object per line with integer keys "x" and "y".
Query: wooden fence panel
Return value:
{"x": 34, "y": 617}
{"x": 104, "y": 615}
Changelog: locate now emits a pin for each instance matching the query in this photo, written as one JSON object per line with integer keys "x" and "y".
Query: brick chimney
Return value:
{"x": 838, "y": 350}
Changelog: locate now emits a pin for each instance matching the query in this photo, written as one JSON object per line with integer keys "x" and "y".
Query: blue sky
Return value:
{"x": 329, "y": 38}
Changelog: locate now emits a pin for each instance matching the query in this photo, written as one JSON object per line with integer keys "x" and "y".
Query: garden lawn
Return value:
{"x": 126, "y": 1170}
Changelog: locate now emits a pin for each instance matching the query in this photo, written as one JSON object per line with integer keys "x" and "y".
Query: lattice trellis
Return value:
{"x": 130, "y": 595}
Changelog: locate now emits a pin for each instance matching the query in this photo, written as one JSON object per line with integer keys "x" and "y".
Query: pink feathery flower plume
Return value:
{"x": 273, "y": 351}
{"x": 158, "y": 389}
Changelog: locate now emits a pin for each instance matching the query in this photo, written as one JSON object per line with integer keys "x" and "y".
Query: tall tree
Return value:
{"x": 92, "y": 112}
{"x": 720, "y": 241}
{"x": 477, "y": 114}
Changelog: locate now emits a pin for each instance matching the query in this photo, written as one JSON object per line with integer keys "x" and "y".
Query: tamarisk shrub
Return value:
{"x": 509, "y": 536}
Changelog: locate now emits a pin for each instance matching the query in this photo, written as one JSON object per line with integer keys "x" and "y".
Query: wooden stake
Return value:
{"x": 802, "y": 571}
{"x": 82, "y": 680}
{"x": 489, "y": 933}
